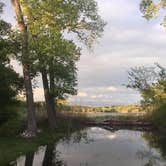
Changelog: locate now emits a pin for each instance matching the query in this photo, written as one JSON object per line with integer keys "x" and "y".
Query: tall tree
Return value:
{"x": 31, "y": 126}
{"x": 62, "y": 70}
{"x": 77, "y": 16}
{"x": 56, "y": 62}
{"x": 151, "y": 10}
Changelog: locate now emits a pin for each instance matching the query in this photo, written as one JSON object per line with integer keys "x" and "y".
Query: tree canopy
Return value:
{"x": 150, "y": 82}
{"x": 152, "y": 8}
{"x": 11, "y": 83}
{"x": 40, "y": 44}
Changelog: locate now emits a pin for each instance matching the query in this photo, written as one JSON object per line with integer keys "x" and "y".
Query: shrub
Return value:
{"x": 11, "y": 127}
{"x": 158, "y": 117}
{"x": 7, "y": 113}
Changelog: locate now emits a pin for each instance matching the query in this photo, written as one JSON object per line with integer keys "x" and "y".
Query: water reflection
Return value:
{"x": 100, "y": 147}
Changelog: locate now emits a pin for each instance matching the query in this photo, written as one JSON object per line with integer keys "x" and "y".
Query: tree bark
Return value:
{"x": 31, "y": 127}
{"x": 49, "y": 107}
{"x": 53, "y": 102}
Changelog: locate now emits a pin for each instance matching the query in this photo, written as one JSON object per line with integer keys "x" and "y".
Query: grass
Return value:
{"x": 12, "y": 145}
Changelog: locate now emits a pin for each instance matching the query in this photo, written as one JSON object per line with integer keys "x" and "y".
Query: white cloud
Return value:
{"x": 116, "y": 9}
{"x": 100, "y": 96}
{"x": 82, "y": 94}
{"x": 97, "y": 96}
{"x": 112, "y": 88}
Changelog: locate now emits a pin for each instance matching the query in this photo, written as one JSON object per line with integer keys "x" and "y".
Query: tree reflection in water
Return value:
{"x": 48, "y": 155}
{"x": 150, "y": 156}
{"x": 157, "y": 141}
{"x": 77, "y": 137}
{"x": 121, "y": 147}
{"x": 44, "y": 156}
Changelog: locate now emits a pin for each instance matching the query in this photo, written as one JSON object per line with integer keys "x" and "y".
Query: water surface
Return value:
{"x": 99, "y": 147}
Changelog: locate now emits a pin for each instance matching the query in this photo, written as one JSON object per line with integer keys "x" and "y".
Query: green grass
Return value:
{"x": 13, "y": 145}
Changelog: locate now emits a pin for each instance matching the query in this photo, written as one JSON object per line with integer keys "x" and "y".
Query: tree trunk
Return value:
{"x": 49, "y": 106}
{"x": 53, "y": 102}
{"x": 32, "y": 127}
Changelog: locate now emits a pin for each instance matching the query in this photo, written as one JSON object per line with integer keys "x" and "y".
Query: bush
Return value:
{"x": 7, "y": 113}
{"x": 11, "y": 127}
{"x": 159, "y": 117}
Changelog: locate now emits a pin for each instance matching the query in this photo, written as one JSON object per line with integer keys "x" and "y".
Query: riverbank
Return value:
{"x": 12, "y": 147}
{"x": 130, "y": 116}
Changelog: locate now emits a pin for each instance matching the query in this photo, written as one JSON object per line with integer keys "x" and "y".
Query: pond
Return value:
{"x": 96, "y": 146}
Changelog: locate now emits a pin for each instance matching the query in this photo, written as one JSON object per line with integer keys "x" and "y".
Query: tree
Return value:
{"x": 32, "y": 127}
{"x": 10, "y": 81}
{"x": 77, "y": 16}
{"x": 52, "y": 18}
{"x": 63, "y": 71}
{"x": 150, "y": 82}
{"x": 151, "y": 9}
{"x": 56, "y": 62}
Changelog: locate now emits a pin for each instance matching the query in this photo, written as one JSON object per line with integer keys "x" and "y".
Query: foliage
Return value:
{"x": 58, "y": 57}
{"x": 150, "y": 82}
{"x": 155, "y": 94}
{"x": 10, "y": 81}
{"x": 158, "y": 117}
{"x": 47, "y": 21}
{"x": 151, "y": 9}
{"x": 11, "y": 127}
{"x": 77, "y": 16}
{"x": 157, "y": 141}
{"x": 64, "y": 71}
{"x": 12, "y": 147}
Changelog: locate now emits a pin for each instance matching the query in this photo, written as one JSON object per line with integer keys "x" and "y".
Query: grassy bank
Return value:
{"x": 13, "y": 145}
{"x": 70, "y": 119}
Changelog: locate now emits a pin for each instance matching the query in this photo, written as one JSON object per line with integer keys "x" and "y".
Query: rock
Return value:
{"x": 28, "y": 134}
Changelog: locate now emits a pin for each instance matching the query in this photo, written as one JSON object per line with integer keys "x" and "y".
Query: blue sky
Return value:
{"x": 129, "y": 40}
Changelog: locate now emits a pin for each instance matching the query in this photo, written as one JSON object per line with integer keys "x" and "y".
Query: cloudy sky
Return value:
{"x": 129, "y": 40}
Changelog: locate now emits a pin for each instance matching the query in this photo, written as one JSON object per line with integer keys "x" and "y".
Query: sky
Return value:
{"x": 128, "y": 41}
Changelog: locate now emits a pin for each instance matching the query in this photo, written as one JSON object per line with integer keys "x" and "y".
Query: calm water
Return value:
{"x": 100, "y": 147}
